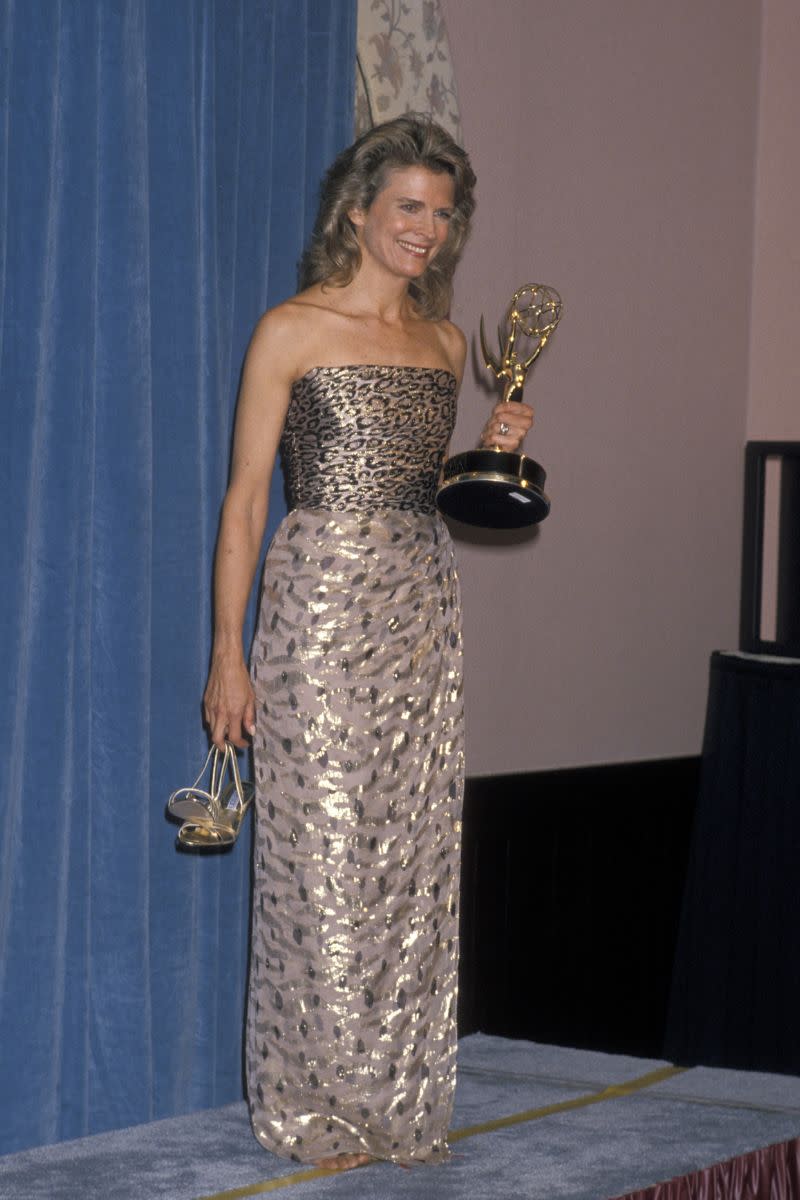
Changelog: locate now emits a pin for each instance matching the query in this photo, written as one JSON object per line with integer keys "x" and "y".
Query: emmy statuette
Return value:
{"x": 491, "y": 487}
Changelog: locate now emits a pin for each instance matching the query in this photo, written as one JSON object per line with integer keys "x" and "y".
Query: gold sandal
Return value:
{"x": 214, "y": 818}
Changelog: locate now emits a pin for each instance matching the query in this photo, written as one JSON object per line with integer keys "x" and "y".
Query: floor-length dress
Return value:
{"x": 356, "y": 664}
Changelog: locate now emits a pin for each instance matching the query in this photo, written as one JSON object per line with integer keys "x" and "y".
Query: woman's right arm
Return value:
{"x": 229, "y": 702}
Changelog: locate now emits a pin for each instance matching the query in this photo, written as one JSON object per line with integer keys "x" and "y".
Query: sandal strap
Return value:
{"x": 198, "y": 794}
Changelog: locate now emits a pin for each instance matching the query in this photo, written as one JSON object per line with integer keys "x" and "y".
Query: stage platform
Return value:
{"x": 532, "y": 1121}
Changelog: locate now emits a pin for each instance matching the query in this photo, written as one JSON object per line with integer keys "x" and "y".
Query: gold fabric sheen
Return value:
{"x": 351, "y": 1039}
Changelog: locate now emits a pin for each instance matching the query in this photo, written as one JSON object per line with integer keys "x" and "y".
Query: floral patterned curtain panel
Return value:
{"x": 404, "y": 64}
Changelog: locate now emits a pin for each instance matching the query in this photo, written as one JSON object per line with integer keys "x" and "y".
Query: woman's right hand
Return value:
{"x": 229, "y": 704}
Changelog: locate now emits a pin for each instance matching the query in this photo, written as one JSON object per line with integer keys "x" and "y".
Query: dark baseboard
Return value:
{"x": 572, "y": 883}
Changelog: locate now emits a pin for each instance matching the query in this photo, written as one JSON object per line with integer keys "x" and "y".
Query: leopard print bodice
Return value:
{"x": 364, "y": 437}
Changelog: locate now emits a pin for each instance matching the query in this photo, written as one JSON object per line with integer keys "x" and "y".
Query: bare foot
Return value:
{"x": 343, "y": 1162}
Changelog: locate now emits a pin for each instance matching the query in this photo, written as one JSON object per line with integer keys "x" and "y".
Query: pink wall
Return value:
{"x": 774, "y": 400}
{"x": 614, "y": 144}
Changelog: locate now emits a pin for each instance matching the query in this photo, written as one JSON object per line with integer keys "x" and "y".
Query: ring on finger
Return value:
{"x": 504, "y": 429}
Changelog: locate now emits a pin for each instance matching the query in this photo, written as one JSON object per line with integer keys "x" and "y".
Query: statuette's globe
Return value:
{"x": 536, "y": 309}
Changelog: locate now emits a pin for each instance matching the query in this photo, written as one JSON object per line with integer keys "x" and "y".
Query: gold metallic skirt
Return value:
{"x": 356, "y": 664}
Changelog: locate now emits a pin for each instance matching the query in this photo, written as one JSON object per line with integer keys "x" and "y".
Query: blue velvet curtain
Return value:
{"x": 159, "y": 165}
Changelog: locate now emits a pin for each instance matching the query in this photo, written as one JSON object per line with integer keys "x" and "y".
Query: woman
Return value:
{"x": 354, "y": 704}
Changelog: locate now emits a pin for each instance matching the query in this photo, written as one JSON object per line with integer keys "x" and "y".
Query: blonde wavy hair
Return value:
{"x": 353, "y": 181}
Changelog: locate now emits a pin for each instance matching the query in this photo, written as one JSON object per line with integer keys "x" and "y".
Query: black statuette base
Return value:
{"x": 493, "y": 489}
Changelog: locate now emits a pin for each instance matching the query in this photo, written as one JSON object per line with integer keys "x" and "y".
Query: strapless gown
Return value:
{"x": 356, "y": 664}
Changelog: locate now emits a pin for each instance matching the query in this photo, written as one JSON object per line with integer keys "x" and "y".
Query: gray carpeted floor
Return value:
{"x": 586, "y": 1153}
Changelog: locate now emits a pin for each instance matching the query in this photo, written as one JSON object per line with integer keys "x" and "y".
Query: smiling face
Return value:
{"x": 407, "y": 223}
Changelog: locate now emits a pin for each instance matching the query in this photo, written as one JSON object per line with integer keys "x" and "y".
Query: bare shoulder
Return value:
{"x": 275, "y": 338}
{"x": 454, "y": 345}
{"x": 302, "y": 332}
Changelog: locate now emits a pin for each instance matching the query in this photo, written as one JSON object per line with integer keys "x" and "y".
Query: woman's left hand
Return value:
{"x": 508, "y": 424}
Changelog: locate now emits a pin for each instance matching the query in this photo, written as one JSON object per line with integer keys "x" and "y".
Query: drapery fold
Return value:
{"x": 771, "y": 1173}
{"x": 736, "y": 980}
{"x": 158, "y": 176}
